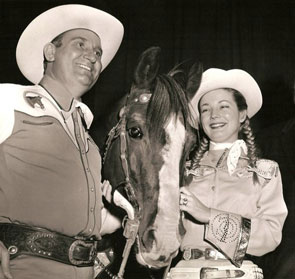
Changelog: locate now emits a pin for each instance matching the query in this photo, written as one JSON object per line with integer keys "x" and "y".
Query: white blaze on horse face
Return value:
{"x": 166, "y": 225}
{"x": 167, "y": 219}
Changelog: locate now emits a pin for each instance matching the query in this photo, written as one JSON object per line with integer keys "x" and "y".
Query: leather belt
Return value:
{"x": 208, "y": 254}
{"x": 23, "y": 239}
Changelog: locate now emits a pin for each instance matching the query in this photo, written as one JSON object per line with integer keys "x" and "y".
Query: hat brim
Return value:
{"x": 239, "y": 80}
{"x": 48, "y": 25}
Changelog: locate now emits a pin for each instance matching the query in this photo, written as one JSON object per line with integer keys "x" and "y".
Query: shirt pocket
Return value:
{"x": 202, "y": 172}
{"x": 38, "y": 123}
{"x": 243, "y": 173}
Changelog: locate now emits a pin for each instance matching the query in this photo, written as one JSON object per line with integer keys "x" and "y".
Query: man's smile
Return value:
{"x": 85, "y": 67}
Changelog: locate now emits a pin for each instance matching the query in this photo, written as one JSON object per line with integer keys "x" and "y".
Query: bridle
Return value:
{"x": 119, "y": 132}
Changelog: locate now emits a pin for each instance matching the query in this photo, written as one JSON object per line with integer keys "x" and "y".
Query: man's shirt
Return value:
{"x": 49, "y": 166}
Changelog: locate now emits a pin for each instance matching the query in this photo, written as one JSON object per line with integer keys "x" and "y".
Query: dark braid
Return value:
{"x": 203, "y": 147}
{"x": 248, "y": 136}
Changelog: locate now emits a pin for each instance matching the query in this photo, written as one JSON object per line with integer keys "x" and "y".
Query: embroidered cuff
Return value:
{"x": 230, "y": 234}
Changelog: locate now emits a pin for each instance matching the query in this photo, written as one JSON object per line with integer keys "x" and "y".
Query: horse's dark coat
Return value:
{"x": 146, "y": 137}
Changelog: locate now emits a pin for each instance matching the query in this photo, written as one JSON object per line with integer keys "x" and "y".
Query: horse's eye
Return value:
{"x": 135, "y": 132}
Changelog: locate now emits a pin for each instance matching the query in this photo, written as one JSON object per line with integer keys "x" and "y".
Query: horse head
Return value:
{"x": 146, "y": 153}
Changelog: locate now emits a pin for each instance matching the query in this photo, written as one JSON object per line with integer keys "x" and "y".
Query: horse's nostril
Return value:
{"x": 148, "y": 238}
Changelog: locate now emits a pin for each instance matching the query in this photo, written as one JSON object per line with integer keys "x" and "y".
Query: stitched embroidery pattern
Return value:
{"x": 243, "y": 242}
{"x": 226, "y": 227}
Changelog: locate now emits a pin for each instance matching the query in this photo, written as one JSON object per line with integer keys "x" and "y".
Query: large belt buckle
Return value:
{"x": 92, "y": 253}
{"x": 187, "y": 254}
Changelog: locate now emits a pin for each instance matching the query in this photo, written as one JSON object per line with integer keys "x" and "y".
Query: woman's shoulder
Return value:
{"x": 266, "y": 168}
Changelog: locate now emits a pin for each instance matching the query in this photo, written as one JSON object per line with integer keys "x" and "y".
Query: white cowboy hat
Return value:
{"x": 236, "y": 79}
{"x": 44, "y": 28}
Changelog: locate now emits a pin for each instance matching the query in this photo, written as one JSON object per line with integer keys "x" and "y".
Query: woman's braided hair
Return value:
{"x": 246, "y": 133}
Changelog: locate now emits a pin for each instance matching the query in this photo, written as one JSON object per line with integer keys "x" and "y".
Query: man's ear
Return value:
{"x": 243, "y": 115}
{"x": 49, "y": 52}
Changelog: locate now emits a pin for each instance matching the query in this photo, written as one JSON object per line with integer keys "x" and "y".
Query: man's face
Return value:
{"x": 77, "y": 62}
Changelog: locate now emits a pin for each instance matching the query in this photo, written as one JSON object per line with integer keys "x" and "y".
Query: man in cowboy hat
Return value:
{"x": 51, "y": 212}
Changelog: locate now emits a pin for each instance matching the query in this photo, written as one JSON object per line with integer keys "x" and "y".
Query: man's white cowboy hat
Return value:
{"x": 236, "y": 79}
{"x": 44, "y": 28}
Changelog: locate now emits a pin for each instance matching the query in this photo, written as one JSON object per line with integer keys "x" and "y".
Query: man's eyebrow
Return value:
{"x": 84, "y": 40}
{"x": 78, "y": 37}
{"x": 224, "y": 100}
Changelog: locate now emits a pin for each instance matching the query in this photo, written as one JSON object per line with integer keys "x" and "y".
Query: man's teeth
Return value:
{"x": 85, "y": 67}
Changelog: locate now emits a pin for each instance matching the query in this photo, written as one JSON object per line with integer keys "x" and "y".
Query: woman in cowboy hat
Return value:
{"x": 51, "y": 212}
{"x": 233, "y": 204}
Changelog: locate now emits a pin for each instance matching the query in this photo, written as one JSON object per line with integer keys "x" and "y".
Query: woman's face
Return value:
{"x": 220, "y": 117}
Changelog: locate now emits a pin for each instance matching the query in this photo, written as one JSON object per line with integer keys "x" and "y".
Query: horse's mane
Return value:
{"x": 168, "y": 97}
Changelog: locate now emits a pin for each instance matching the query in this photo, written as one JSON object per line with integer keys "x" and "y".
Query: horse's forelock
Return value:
{"x": 168, "y": 97}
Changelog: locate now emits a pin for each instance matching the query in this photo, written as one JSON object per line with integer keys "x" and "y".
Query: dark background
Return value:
{"x": 256, "y": 36}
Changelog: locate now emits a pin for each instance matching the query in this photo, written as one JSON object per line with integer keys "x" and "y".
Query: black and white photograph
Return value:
{"x": 147, "y": 139}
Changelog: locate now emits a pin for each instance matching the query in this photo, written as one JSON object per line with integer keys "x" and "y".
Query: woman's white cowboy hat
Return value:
{"x": 236, "y": 79}
{"x": 44, "y": 28}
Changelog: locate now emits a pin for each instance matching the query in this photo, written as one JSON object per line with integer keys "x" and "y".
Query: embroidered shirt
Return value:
{"x": 262, "y": 203}
{"x": 49, "y": 165}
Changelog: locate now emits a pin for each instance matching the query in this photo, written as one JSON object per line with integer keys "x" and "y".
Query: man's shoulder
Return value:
{"x": 16, "y": 88}
{"x": 16, "y": 96}
{"x": 11, "y": 91}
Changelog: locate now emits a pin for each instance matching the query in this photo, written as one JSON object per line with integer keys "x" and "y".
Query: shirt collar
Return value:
{"x": 220, "y": 146}
{"x": 233, "y": 152}
{"x": 86, "y": 112}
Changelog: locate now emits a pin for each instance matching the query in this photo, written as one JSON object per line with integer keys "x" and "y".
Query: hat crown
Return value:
{"x": 237, "y": 79}
{"x": 55, "y": 21}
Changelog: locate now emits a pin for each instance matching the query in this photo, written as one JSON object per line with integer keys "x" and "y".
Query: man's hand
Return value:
{"x": 110, "y": 222}
{"x": 106, "y": 189}
{"x": 4, "y": 259}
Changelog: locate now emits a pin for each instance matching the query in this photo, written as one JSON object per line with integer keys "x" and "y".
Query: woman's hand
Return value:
{"x": 191, "y": 204}
{"x": 4, "y": 259}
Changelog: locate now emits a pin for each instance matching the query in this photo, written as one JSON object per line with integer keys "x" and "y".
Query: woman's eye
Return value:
{"x": 135, "y": 132}
{"x": 204, "y": 110}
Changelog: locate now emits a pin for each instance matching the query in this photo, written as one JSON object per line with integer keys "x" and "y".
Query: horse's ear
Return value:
{"x": 194, "y": 79}
{"x": 147, "y": 67}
